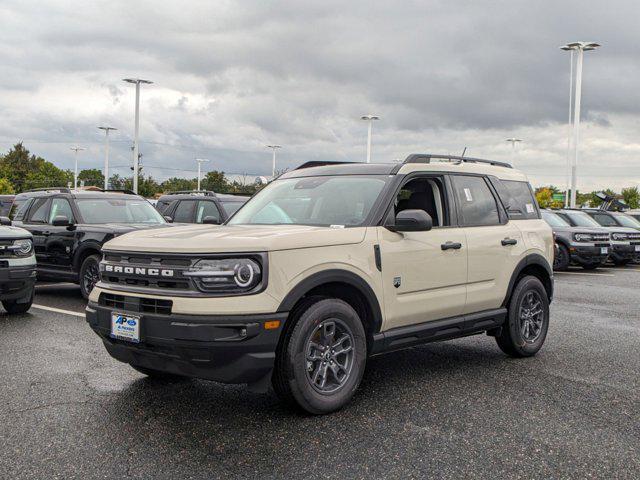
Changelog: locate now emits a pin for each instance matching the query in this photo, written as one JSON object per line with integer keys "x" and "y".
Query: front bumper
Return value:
{"x": 589, "y": 253}
{"x": 228, "y": 349}
{"x": 17, "y": 282}
{"x": 623, "y": 251}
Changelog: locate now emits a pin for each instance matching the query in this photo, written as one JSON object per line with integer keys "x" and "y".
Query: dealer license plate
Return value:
{"x": 637, "y": 248}
{"x": 604, "y": 250}
{"x": 125, "y": 327}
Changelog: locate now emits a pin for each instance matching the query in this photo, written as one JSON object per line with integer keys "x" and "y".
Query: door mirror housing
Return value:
{"x": 168, "y": 218}
{"x": 61, "y": 221}
{"x": 5, "y": 221}
{"x": 412, "y": 221}
{"x": 209, "y": 220}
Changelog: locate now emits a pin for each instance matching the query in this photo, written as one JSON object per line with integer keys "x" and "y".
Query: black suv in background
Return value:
{"x": 625, "y": 241}
{"x": 199, "y": 206}
{"x": 588, "y": 247}
{"x": 69, "y": 228}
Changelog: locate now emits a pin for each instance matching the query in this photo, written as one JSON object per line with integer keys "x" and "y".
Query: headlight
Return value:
{"x": 619, "y": 236}
{"x": 582, "y": 237}
{"x": 226, "y": 275}
{"x": 22, "y": 248}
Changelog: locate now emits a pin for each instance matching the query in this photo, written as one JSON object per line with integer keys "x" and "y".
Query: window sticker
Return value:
{"x": 467, "y": 194}
{"x": 530, "y": 208}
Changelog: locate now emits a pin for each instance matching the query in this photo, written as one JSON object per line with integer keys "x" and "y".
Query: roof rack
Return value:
{"x": 49, "y": 189}
{"x": 426, "y": 158}
{"x": 118, "y": 190}
{"x": 319, "y": 163}
{"x": 207, "y": 193}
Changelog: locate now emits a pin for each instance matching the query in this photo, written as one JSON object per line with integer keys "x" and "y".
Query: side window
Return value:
{"x": 605, "y": 220}
{"x": 39, "y": 210}
{"x": 522, "y": 203}
{"x": 184, "y": 211}
{"x": 207, "y": 209}
{"x": 476, "y": 204}
{"x": 60, "y": 206}
{"x": 19, "y": 209}
{"x": 424, "y": 194}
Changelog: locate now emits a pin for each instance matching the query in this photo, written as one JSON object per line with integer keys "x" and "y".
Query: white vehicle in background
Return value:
{"x": 17, "y": 268}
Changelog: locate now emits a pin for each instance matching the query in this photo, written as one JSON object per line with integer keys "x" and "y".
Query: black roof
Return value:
{"x": 341, "y": 168}
{"x": 46, "y": 192}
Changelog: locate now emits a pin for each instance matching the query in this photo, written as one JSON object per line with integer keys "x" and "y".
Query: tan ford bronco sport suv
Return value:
{"x": 328, "y": 265}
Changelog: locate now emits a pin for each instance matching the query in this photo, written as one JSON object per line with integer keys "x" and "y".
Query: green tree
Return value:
{"x": 25, "y": 171}
{"x": 631, "y": 196}
{"x": 147, "y": 186}
{"x": 214, "y": 181}
{"x": 544, "y": 196}
{"x": 92, "y": 176}
{"x": 5, "y": 187}
{"x": 178, "y": 184}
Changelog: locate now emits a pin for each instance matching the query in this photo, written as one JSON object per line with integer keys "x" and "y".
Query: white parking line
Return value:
{"x": 58, "y": 310}
{"x": 584, "y": 273}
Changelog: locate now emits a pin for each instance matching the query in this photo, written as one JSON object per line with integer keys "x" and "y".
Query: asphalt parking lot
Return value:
{"x": 457, "y": 409}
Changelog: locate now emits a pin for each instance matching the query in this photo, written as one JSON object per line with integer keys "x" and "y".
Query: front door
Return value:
{"x": 60, "y": 241}
{"x": 36, "y": 223}
{"x": 424, "y": 273}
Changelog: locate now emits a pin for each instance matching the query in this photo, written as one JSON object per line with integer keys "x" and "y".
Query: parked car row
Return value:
{"x": 591, "y": 237}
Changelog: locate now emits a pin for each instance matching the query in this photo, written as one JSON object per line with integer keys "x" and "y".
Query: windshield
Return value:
{"x": 112, "y": 210}
{"x": 231, "y": 207}
{"x": 628, "y": 221}
{"x": 581, "y": 219}
{"x": 554, "y": 219}
{"x": 323, "y": 201}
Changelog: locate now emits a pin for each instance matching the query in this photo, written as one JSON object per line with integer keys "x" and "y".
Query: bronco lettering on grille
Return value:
{"x": 151, "y": 272}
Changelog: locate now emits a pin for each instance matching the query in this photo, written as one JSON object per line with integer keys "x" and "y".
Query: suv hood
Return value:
{"x": 580, "y": 229}
{"x": 11, "y": 233}
{"x": 237, "y": 238}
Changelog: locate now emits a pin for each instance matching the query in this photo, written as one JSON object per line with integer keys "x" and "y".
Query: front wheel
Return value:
{"x": 322, "y": 358}
{"x": 563, "y": 258}
{"x": 525, "y": 329}
{"x": 591, "y": 266}
{"x": 89, "y": 274}
{"x": 620, "y": 262}
{"x": 13, "y": 307}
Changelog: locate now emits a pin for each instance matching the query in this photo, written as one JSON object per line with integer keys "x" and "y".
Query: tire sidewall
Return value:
{"x": 305, "y": 395}
{"x": 566, "y": 257}
{"x": 519, "y": 344}
{"x": 83, "y": 268}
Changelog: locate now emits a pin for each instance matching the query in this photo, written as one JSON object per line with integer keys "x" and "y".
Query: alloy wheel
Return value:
{"x": 329, "y": 354}
{"x": 531, "y": 316}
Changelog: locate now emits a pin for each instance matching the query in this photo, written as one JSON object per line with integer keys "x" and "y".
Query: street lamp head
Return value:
{"x": 274, "y": 146}
{"x": 107, "y": 128}
{"x": 580, "y": 46}
{"x": 513, "y": 140}
{"x": 369, "y": 117}
{"x": 136, "y": 80}
{"x": 202, "y": 160}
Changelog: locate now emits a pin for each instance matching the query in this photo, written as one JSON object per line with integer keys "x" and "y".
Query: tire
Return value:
{"x": 512, "y": 339}
{"x": 309, "y": 371}
{"x": 562, "y": 260}
{"x": 13, "y": 307}
{"x": 89, "y": 274}
{"x": 621, "y": 262}
{"x": 158, "y": 375}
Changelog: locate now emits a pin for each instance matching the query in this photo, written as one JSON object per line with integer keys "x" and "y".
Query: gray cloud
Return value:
{"x": 233, "y": 76}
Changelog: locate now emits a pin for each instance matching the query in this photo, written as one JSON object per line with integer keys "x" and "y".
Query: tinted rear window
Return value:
{"x": 518, "y": 197}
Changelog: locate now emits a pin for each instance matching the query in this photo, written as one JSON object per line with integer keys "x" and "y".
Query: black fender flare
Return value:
{"x": 335, "y": 276}
{"x": 531, "y": 259}
{"x": 81, "y": 253}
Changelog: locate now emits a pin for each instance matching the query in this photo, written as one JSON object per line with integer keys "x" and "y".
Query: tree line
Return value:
{"x": 20, "y": 170}
{"x": 549, "y": 197}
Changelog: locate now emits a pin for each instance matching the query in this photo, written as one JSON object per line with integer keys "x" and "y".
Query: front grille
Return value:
{"x": 136, "y": 304}
{"x": 600, "y": 237}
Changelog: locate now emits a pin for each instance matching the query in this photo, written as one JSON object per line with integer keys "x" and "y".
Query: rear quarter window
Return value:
{"x": 518, "y": 197}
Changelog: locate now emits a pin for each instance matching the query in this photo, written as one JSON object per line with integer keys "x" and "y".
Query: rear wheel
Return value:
{"x": 322, "y": 358}
{"x": 13, "y": 307}
{"x": 89, "y": 274}
{"x": 562, "y": 259}
{"x": 525, "y": 329}
{"x": 591, "y": 266}
{"x": 621, "y": 262}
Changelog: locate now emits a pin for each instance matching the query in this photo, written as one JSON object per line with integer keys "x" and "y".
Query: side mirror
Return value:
{"x": 211, "y": 220}
{"x": 6, "y": 221}
{"x": 412, "y": 221}
{"x": 168, "y": 218}
{"x": 61, "y": 221}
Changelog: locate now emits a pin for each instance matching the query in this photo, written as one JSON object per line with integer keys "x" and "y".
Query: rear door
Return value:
{"x": 424, "y": 273}
{"x": 185, "y": 212}
{"x": 207, "y": 208}
{"x": 494, "y": 245}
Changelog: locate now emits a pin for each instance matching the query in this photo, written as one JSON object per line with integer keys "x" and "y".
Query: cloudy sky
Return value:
{"x": 232, "y": 76}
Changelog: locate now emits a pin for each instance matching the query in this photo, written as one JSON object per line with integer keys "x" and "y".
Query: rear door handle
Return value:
{"x": 509, "y": 241}
{"x": 451, "y": 246}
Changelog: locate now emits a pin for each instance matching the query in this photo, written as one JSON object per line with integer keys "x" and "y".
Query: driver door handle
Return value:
{"x": 451, "y": 246}
{"x": 509, "y": 241}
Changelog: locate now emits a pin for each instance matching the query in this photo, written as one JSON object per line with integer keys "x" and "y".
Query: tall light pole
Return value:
{"x": 580, "y": 48}
{"x": 200, "y": 162}
{"x": 513, "y": 142}
{"x": 106, "y": 154}
{"x": 567, "y": 48}
{"x": 76, "y": 149}
{"x": 370, "y": 119}
{"x": 273, "y": 166}
{"x": 136, "y": 159}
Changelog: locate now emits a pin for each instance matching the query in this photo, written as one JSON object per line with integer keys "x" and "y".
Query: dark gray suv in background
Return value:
{"x": 588, "y": 247}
